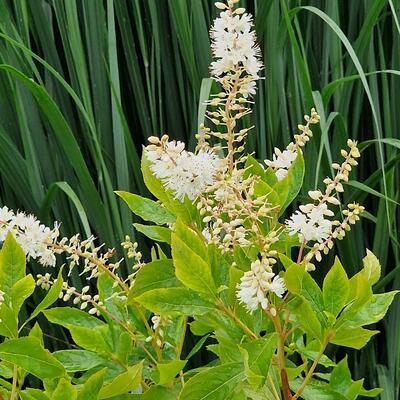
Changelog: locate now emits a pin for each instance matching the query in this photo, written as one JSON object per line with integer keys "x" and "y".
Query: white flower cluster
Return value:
{"x": 256, "y": 283}
{"x": 183, "y": 172}
{"x": 281, "y": 162}
{"x": 34, "y": 237}
{"x": 234, "y": 43}
{"x": 310, "y": 223}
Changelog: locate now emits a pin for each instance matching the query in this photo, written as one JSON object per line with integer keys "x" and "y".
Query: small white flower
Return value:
{"x": 255, "y": 284}
{"x": 281, "y": 162}
{"x": 310, "y": 223}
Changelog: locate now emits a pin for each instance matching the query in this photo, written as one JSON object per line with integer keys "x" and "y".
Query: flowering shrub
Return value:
{"x": 231, "y": 269}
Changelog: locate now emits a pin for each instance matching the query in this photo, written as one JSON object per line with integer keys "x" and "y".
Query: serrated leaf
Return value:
{"x": 215, "y": 383}
{"x": 64, "y": 391}
{"x": 335, "y": 289}
{"x": 27, "y": 353}
{"x": 355, "y": 338}
{"x": 79, "y": 360}
{"x": 147, "y": 209}
{"x": 175, "y": 301}
{"x": 123, "y": 383}
{"x": 154, "y": 275}
{"x": 372, "y": 268}
{"x": 156, "y": 233}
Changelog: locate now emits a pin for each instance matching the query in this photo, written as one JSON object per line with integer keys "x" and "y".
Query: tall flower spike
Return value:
{"x": 310, "y": 222}
{"x": 236, "y": 66}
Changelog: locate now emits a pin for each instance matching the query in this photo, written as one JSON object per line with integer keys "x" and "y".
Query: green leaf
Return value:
{"x": 9, "y": 322}
{"x": 340, "y": 377}
{"x": 123, "y": 383}
{"x": 160, "y": 393}
{"x": 165, "y": 373}
{"x": 289, "y": 187}
{"x": 20, "y": 291}
{"x": 215, "y": 383}
{"x": 372, "y": 311}
{"x": 27, "y": 353}
{"x": 154, "y": 275}
{"x": 306, "y": 317}
{"x": 299, "y": 282}
{"x": 260, "y": 353}
{"x": 91, "y": 389}
{"x": 90, "y": 338}
{"x": 175, "y": 300}
{"x": 147, "y": 209}
{"x": 191, "y": 269}
{"x": 315, "y": 390}
{"x": 355, "y": 338}
{"x": 372, "y": 268}
{"x": 156, "y": 233}
{"x": 33, "y": 394}
{"x": 335, "y": 289}
{"x": 64, "y": 391}
{"x": 68, "y": 316}
{"x": 51, "y": 296}
{"x": 79, "y": 360}
{"x": 12, "y": 264}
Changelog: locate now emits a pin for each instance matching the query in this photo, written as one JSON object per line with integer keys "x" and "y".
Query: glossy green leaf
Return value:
{"x": 154, "y": 275}
{"x": 68, "y": 316}
{"x": 156, "y": 233}
{"x": 166, "y": 372}
{"x": 12, "y": 264}
{"x": 147, "y": 209}
{"x": 215, "y": 383}
{"x": 191, "y": 269}
{"x": 355, "y": 338}
{"x": 175, "y": 300}
{"x": 91, "y": 388}
{"x": 28, "y": 354}
{"x": 123, "y": 383}
{"x": 20, "y": 291}
{"x": 64, "y": 391}
{"x": 335, "y": 289}
{"x": 79, "y": 360}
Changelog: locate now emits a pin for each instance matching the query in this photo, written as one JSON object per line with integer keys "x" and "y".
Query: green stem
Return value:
{"x": 312, "y": 368}
{"x": 13, "y": 395}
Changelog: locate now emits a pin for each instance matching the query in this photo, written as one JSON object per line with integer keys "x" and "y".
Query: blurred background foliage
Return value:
{"x": 83, "y": 83}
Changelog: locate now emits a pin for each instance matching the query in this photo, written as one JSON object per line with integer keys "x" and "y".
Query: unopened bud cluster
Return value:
{"x": 159, "y": 323}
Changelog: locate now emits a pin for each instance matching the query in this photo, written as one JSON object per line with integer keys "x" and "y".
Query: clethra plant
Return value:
{"x": 229, "y": 267}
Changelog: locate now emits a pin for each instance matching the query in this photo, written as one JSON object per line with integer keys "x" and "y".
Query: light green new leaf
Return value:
{"x": 191, "y": 269}
{"x": 51, "y": 296}
{"x": 335, "y": 289}
{"x": 147, "y": 209}
{"x": 215, "y": 383}
{"x": 64, "y": 391}
{"x": 175, "y": 300}
{"x": 92, "y": 339}
{"x": 154, "y": 275}
{"x": 123, "y": 383}
{"x": 156, "y": 233}
{"x": 27, "y": 353}
{"x": 299, "y": 282}
{"x": 33, "y": 394}
{"x": 166, "y": 372}
{"x": 12, "y": 264}
{"x": 90, "y": 390}
{"x": 340, "y": 377}
{"x": 9, "y": 322}
{"x": 372, "y": 268}
{"x": 20, "y": 291}
{"x": 356, "y": 338}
